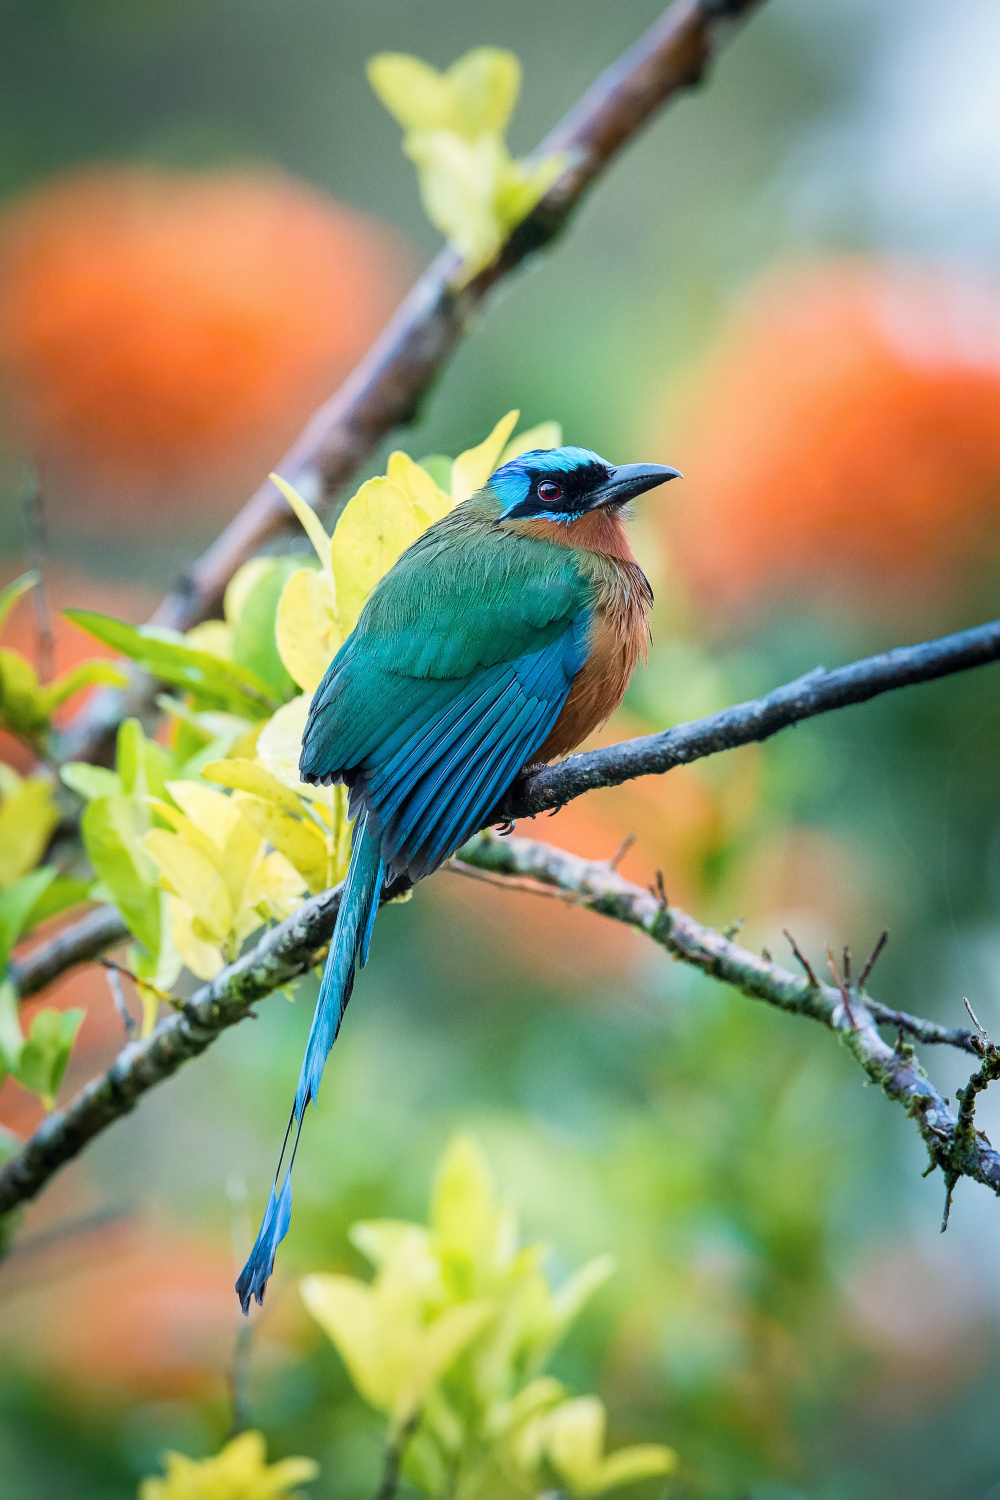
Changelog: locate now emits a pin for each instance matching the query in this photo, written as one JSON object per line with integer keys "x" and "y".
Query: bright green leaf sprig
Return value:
{"x": 455, "y": 124}
{"x": 26, "y": 706}
{"x": 239, "y": 1472}
{"x": 450, "y": 1341}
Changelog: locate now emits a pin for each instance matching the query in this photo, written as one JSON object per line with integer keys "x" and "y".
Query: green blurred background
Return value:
{"x": 787, "y": 287}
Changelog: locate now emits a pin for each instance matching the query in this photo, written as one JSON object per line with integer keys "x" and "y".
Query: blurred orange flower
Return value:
{"x": 843, "y": 441}
{"x": 168, "y": 333}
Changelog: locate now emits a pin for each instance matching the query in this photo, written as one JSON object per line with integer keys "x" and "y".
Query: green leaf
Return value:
{"x": 46, "y": 1052}
{"x": 14, "y": 591}
{"x": 486, "y": 83}
{"x": 16, "y": 906}
{"x": 143, "y": 766}
{"x": 90, "y": 782}
{"x": 87, "y": 674}
{"x": 112, "y": 829}
{"x": 28, "y": 817}
{"x": 20, "y": 707}
{"x": 212, "y": 682}
{"x": 60, "y": 894}
{"x": 254, "y": 643}
{"x": 415, "y": 93}
{"x": 11, "y": 1035}
{"x": 438, "y": 466}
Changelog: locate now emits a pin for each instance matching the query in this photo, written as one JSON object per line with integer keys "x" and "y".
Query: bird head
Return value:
{"x": 563, "y": 484}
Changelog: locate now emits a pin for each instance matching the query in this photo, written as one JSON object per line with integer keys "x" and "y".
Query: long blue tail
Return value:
{"x": 348, "y": 947}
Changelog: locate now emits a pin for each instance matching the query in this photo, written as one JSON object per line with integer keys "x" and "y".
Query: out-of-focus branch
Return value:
{"x": 75, "y": 944}
{"x": 819, "y": 692}
{"x": 295, "y": 946}
{"x": 386, "y": 388}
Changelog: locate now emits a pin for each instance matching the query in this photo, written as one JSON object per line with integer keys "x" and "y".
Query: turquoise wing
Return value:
{"x": 454, "y": 676}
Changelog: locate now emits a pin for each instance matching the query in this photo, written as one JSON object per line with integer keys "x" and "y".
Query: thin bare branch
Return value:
{"x": 818, "y": 692}
{"x": 872, "y": 959}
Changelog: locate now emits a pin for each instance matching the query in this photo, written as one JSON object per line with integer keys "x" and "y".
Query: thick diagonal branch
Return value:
{"x": 386, "y": 388}
{"x": 294, "y": 947}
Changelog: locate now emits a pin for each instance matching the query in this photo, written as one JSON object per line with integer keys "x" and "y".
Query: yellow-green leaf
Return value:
{"x": 28, "y": 817}
{"x": 417, "y": 484}
{"x": 250, "y": 776}
{"x": 238, "y": 591}
{"x": 346, "y": 1311}
{"x": 473, "y": 467}
{"x": 300, "y": 841}
{"x": 307, "y": 629}
{"x": 202, "y": 958}
{"x": 16, "y": 590}
{"x": 308, "y": 519}
{"x": 239, "y": 1472}
{"x": 378, "y": 524}
{"x": 486, "y": 82}
{"x": 545, "y": 435}
{"x": 417, "y": 95}
{"x": 187, "y": 873}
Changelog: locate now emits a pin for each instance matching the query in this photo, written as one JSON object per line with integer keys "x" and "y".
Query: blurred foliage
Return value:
{"x": 451, "y": 1339}
{"x": 239, "y": 1472}
{"x": 26, "y": 705}
{"x": 455, "y": 124}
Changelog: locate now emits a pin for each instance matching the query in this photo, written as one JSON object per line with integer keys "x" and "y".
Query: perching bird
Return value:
{"x": 502, "y": 637}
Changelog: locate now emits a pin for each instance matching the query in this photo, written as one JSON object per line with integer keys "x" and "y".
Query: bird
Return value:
{"x": 498, "y": 641}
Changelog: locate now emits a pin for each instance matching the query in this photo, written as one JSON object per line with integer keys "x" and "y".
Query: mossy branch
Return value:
{"x": 296, "y": 945}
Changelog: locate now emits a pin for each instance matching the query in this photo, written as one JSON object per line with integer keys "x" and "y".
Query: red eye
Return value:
{"x": 549, "y": 491}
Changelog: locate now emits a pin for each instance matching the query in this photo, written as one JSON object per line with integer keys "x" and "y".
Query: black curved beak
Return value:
{"x": 629, "y": 480}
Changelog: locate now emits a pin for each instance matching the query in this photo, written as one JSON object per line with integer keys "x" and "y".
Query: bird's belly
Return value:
{"x": 600, "y": 684}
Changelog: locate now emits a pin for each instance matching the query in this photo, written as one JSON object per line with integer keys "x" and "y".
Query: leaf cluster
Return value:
{"x": 450, "y": 1341}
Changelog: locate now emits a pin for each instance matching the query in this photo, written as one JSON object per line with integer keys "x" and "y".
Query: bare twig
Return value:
{"x": 841, "y": 985}
{"x": 118, "y": 997}
{"x": 293, "y": 947}
{"x": 800, "y": 956}
{"x": 394, "y": 1450}
{"x": 387, "y": 387}
{"x": 872, "y": 959}
{"x": 818, "y": 692}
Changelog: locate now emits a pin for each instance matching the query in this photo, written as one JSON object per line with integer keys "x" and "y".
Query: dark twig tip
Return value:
{"x": 801, "y": 958}
{"x": 872, "y": 960}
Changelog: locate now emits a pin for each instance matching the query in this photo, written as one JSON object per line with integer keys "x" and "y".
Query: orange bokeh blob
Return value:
{"x": 168, "y": 334}
{"x": 843, "y": 442}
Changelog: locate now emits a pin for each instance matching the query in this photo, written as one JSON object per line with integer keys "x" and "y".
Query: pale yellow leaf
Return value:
{"x": 244, "y": 850}
{"x": 575, "y": 1440}
{"x": 276, "y": 886}
{"x": 545, "y": 435}
{"x": 417, "y": 95}
{"x": 458, "y": 186}
{"x": 251, "y": 776}
{"x": 203, "y": 959}
{"x": 418, "y": 485}
{"x": 187, "y": 873}
{"x": 307, "y": 630}
{"x": 473, "y": 468}
{"x": 309, "y": 520}
{"x": 301, "y": 842}
{"x": 346, "y": 1311}
{"x": 486, "y": 82}
{"x": 279, "y": 745}
{"x": 188, "y": 830}
{"x": 376, "y": 526}
{"x": 628, "y": 1465}
{"x": 211, "y": 812}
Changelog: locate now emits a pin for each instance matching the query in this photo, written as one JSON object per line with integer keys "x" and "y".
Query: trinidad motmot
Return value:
{"x": 501, "y": 638}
